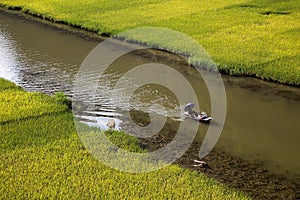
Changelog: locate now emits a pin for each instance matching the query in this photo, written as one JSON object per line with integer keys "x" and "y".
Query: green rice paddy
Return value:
{"x": 244, "y": 37}
{"x": 42, "y": 157}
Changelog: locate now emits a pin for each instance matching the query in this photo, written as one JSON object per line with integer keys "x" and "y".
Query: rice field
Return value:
{"x": 244, "y": 37}
{"x": 42, "y": 157}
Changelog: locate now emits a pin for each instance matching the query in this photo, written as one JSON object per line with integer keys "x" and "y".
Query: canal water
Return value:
{"x": 262, "y": 119}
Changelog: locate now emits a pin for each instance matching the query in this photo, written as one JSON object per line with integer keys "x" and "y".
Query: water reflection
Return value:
{"x": 9, "y": 65}
{"x": 23, "y": 42}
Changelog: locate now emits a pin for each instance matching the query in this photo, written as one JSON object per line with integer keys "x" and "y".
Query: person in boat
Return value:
{"x": 188, "y": 108}
{"x": 202, "y": 115}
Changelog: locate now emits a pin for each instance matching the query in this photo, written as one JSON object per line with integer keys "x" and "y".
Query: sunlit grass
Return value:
{"x": 42, "y": 157}
{"x": 6, "y": 85}
{"x": 255, "y": 37}
{"x": 17, "y": 105}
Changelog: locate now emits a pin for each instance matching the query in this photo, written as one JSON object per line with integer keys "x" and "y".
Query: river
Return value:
{"x": 262, "y": 121}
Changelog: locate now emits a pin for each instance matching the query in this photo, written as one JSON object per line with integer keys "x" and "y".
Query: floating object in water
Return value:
{"x": 200, "y": 163}
{"x": 111, "y": 124}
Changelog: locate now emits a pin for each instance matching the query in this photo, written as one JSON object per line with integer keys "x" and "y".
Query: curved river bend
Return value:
{"x": 262, "y": 120}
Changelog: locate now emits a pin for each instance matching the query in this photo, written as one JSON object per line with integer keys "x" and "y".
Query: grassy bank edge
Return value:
{"x": 223, "y": 68}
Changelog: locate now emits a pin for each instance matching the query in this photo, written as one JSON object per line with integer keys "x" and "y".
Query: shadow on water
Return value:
{"x": 262, "y": 123}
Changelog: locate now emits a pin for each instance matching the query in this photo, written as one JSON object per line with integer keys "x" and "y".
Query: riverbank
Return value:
{"x": 43, "y": 157}
{"x": 261, "y": 42}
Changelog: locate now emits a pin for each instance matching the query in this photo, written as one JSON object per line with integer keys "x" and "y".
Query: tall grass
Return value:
{"x": 42, "y": 157}
{"x": 257, "y": 38}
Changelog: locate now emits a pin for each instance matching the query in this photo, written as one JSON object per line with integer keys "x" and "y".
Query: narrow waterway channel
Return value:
{"x": 262, "y": 121}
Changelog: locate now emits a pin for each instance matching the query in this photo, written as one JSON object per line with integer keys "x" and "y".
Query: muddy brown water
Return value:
{"x": 262, "y": 121}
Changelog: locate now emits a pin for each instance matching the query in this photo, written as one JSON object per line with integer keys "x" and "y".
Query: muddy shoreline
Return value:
{"x": 248, "y": 177}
